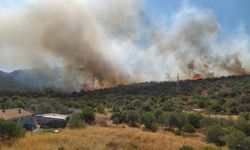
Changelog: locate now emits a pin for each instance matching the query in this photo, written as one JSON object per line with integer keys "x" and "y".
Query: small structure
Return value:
{"x": 21, "y": 116}
{"x": 51, "y": 120}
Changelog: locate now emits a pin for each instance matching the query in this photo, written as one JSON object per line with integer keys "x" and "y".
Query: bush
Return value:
{"x": 118, "y": 117}
{"x": 132, "y": 117}
{"x": 215, "y": 107}
{"x": 188, "y": 128}
{"x": 76, "y": 121}
{"x": 237, "y": 141}
{"x": 185, "y": 147}
{"x": 167, "y": 106}
{"x": 148, "y": 119}
{"x": 194, "y": 119}
{"x": 205, "y": 122}
{"x": 88, "y": 115}
{"x": 9, "y": 130}
{"x": 202, "y": 104}
{"x": 176, "y": 120}
{"x": 215, "y": 135}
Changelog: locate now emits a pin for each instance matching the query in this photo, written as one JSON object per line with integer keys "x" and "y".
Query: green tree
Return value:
{"x": 148, "y": 119}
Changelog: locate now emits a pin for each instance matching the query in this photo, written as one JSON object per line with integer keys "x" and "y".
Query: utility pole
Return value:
{"x": 178, "y": 86}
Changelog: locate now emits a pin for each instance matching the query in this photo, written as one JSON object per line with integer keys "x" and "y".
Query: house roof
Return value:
{"x": 53, "y": 116}
{"x": 14, "y": 113}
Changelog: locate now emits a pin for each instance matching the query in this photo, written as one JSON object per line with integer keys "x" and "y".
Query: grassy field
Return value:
{"x": 99, "y": 138}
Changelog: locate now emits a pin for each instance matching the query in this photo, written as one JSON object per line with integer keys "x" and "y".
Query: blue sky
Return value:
{"x": 230, "y": 13}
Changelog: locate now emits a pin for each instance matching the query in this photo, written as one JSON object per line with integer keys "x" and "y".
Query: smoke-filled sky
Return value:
{"x": 124, "y": 41}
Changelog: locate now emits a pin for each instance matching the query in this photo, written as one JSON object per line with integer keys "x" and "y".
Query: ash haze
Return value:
{"x": 118, "y": 41}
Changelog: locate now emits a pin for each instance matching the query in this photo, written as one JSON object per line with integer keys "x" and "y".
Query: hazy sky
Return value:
{"x": 230, "y": 13}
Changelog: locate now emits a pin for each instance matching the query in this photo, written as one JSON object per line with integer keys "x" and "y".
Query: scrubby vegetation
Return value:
{"x": 218, "y": 109}
{"x": 9, "y": 130}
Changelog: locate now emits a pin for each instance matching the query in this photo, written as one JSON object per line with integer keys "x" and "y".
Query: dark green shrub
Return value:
{"x": 207, "y": 121}
{"x": 148, "y": 119}
{"x": 167, "y": 106}
{"x": 118, "y": 117}
{"x": 88, "y": 115}
{"x": 177, "y": 120}
{"x": 202, "y": 104}
{"x": 76, "y": 121}
{"x": 194, "y": 119}
{"x": 237, "y": 141}
{"x": 9, "y": 130}
{"x": 132, "y": 117}
{"x": 189, "y": 128}
{"x": 215, "y": 134}
{"x": 215, "y": 107}
{"x": 158, "y": 113}
{"x": 230, "y": 130}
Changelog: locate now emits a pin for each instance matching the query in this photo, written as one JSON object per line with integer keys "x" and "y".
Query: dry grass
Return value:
{"x": 98, "y": 138}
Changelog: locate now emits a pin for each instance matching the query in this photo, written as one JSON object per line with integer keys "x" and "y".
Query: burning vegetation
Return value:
{"x": 119, "y": 44}
{"x": 197, "y": 77}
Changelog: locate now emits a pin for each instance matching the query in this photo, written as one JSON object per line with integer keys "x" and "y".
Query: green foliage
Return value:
{"x": 88, "y": 115}
{"x": 185, "y": 147}
{"x": 148, "y": 119}
{"x": 215, "y": 107}
{"x": 188, "y": 128}
{"x": 9, "y": 130}
{"x": 230, "y": 130}
{"x": 100, "y": 109}
{"x": 76, "y": 121}
{"x": 118, "y": 117}
{"x": 215, "y": 134}
{"x": 173, "y": 119}
{"x": 167, "y": 106}
{"x": 132, "y": 117}
{"x": 177, "y": 120}
{"x": 206, "y": 121}
{"x": 194, "y": 119}
{"x": 237, "y": 141}
{"x": 202, "y": 104}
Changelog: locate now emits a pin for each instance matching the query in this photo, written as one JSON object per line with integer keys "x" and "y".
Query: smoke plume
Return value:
{"x": 115, "y": 42}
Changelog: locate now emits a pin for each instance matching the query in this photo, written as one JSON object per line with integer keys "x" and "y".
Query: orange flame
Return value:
{"x": 88, "y": 88}
{"x": 197, "y": 77}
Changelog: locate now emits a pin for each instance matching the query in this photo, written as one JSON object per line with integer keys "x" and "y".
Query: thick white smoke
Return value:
{"x": 115, "y": 42}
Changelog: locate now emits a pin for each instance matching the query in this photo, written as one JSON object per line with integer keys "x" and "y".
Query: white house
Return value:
{"x": 52, "y": 120}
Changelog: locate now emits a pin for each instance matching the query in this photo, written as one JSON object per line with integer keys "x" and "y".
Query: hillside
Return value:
{"x": 105, "y": 138}
{"x": 31, "y": 79}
